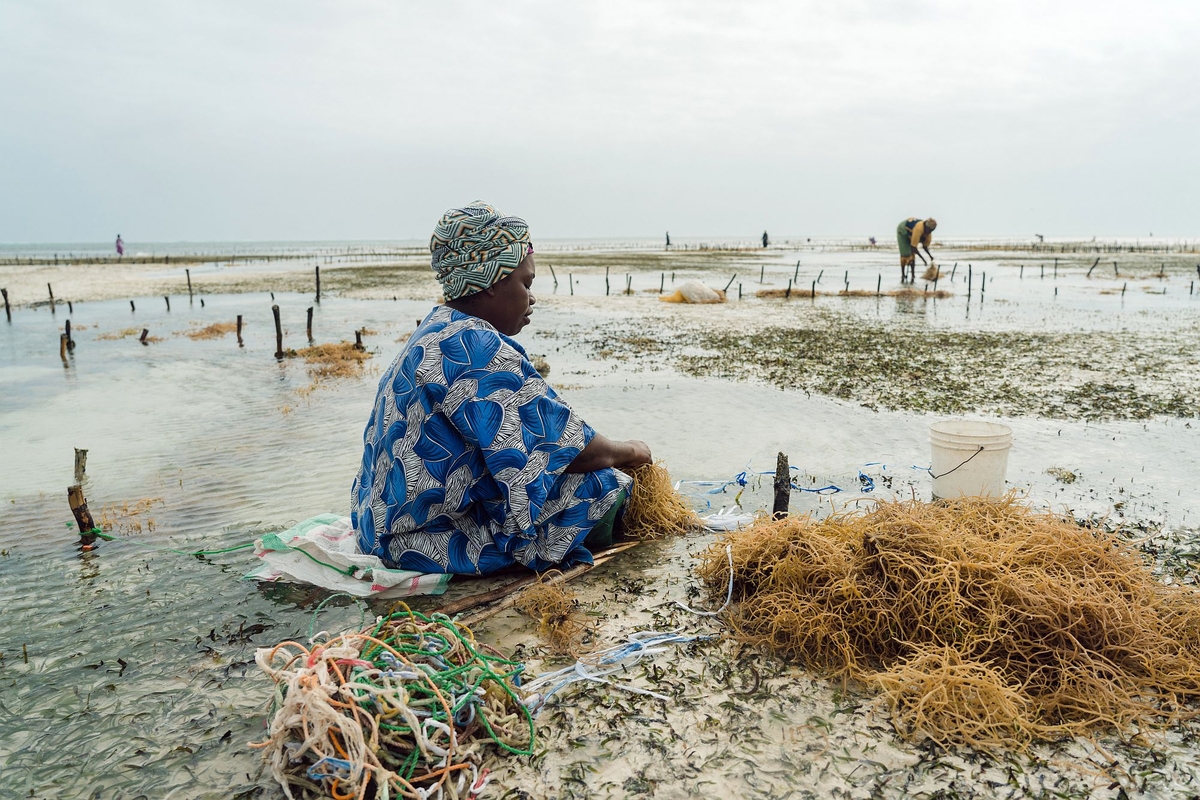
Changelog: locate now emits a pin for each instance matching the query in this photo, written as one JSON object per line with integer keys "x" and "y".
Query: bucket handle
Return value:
{"x": 963, "y": 464}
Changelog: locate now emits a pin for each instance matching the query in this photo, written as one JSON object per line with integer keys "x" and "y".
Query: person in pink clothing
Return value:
{"x": 120, "y": 246}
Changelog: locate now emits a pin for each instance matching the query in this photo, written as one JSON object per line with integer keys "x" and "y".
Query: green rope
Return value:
{"x": 457, "y": 681}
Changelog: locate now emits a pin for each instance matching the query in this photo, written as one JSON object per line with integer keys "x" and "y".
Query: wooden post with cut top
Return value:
{"x": 239, "y": 331}
{"x": 783, "y": 487}
{"x": 80, "y": 464}
{"x": 308, "y": 327}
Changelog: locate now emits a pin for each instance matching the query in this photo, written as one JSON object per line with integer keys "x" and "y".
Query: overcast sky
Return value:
{"x": 254, "y": 120}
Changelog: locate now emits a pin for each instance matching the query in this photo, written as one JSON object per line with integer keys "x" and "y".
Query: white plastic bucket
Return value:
{"x": 969, "y": 458}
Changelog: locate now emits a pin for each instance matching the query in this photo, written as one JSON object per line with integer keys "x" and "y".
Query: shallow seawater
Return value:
{"x": 129, "y": 672}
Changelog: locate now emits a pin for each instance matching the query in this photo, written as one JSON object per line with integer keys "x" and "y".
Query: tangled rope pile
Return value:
{"x": 407, "y": 708}
{"x": 982, "y": 622}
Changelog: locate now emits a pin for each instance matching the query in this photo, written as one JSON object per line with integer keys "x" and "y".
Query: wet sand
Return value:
{"x": 140, "y": 674}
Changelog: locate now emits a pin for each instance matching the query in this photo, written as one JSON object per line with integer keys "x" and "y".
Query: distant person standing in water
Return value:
{"x": 120, "y": 246}
{"x": 668, "y": 238}
{"x": 912, "y": 234}
{"x": 766, "y": 239}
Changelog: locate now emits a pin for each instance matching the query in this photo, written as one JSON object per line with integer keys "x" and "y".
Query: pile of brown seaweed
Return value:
{"x": 982, "y": 622}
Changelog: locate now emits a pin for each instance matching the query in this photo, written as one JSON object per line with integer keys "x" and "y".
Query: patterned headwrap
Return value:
{"x": 474, "y": 247}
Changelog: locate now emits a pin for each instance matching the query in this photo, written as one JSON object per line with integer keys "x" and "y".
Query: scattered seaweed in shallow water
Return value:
{"x": 214, "y": 331}
{"x": 654, "y": 508}
{"x": 333, "y": 361}
{"x": 981, "y": 622}
{"x": 123, "y": 333}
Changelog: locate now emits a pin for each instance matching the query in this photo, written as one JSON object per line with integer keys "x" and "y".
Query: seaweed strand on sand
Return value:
{"x": 555, "y": 608}
{"x": 981, "y": 622}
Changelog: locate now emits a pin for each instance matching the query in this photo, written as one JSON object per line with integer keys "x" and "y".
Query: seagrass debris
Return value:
{"x": 981, "y": 622}
{"x": 654, "y": 509}
{"x": 555, "y": 608}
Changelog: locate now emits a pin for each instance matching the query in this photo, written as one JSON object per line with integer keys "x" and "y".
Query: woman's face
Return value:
{"x": 511, "y": 302}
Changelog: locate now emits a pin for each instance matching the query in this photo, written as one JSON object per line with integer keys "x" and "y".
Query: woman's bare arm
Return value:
{"x": 602, "y": 452}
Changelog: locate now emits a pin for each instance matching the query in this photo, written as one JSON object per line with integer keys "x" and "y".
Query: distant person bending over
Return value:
{"x": 911, "y": 234}
{"x": 120, "y": 246}
{"x": 471, "y": 462}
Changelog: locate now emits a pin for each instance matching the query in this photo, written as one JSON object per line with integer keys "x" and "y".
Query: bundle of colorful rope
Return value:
{"x": 408, "y": 707}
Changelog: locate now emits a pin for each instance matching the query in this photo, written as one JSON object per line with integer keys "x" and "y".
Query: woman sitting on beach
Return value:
{"x": 471, "y": 463}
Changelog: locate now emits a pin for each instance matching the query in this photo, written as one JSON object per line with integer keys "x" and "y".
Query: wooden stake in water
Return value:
{"x": 188, "y": 272}
{"x": 788, "y": 292}
{"x": 308, "y": 327}
{"x": 7, "y": 310}
{"x": 1056, "y": 269}
{"x": 62, "y": 348}
{"x": 814, "y": 291}
{"x": 358, "y": 345}
{"x": 606, "y": 284}
{"x": 318, "y": 286}
{"x": 239, "y": 331}
{"x": 730, "y": 283}
{"x": 1022, "y": 275}
{"x": 796, "y": 274}
{"x": 571, "y": 282}
{"x": 1093, "y": 266}
{"x": 879, "y": 285}
{"x": 70, "y": 341}
{"x": 142, "y": 338}
{"x": 1124, "y": 286}
{"x": 80, "y": 464}
{"x": 628, "y": 284}
{"x": 662, "y": 281}
{"x": 168, "y": 299}
{"x": 83, "y": 517}
{"x": 982, "y": 286}
{"x": 1115, "y": 273}
{"x": 51, "y": 291}
{"x": 953, "y": 270}
{"x": 783, "y": 487}
{"x": 70, "y": 307}
{"x": 819, "y": 274}
{"x": 552, "y": 275}
{"x": 132, "y": 307}
{"x": 278, "y": 332}
{"x": 1043, "y": 275}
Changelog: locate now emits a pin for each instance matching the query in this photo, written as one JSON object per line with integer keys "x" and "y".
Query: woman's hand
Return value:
{"x": 638, "y": 455}
{"x": 602, "y": 453}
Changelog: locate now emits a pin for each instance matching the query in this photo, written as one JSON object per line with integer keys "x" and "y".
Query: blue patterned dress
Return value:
{"x": 464, "y": 459}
